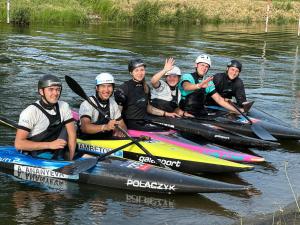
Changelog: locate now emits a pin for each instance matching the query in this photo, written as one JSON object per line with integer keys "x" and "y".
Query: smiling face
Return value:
{"x": 139, "y": 73}
{"x": 202, "y": 68}
{"x": 104, "y": 91}
{"x": 172, "y": 80}
{"x": 233, "y": 72}
{"x": 51, "y": 94}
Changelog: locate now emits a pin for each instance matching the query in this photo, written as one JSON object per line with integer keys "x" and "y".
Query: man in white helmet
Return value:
{"x": 194, "y": 88}
{"x": 165, "y": 94}
{"x": 94, "y": 125}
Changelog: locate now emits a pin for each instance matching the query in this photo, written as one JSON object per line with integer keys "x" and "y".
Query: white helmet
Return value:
{"x": 203, "y": 59}
{"x": 105, "y": 78}
{"x": 174, "y": 71}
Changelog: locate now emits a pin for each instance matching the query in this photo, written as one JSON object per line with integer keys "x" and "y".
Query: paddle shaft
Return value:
{"x": 79, "y": 91}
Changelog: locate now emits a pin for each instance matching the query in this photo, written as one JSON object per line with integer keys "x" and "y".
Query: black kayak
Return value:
{"x": 206, "y": 129}
{"x": 239, "y": 124}
{"x": 113, "y": 172}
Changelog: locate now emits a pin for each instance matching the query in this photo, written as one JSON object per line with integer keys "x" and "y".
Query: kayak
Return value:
{"x": 194, "y": 129}
{"x": 114, "y": 172}
{"x": 238, "y": 123}
{"x": 185, "y": 160}
{"x": 173, "y": 156}
{"x": 207, "y": 149}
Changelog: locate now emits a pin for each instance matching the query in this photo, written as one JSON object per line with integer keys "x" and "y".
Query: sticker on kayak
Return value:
{"x": 244, "y": 120}
{"x": 96, "y": 149}
{"x": 48, "y": 181}
{"x": 171, "y": 163}
{"x": 43, "y": 172}
{"x": 150, "y": 185}
{"x": 137, "y": 165}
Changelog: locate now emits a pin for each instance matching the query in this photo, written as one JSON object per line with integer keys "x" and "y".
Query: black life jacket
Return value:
{"x": 194, "y": 102}
{"x": 101, "y": 120}
{"x": 53, "y": 130}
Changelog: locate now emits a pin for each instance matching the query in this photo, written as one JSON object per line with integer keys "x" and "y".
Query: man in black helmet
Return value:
{"x": 47, "y": 126}
{"x": 229, "y": 84}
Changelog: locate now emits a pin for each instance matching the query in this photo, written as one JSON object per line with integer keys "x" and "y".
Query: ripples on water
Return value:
{"x": 270, "y": 73}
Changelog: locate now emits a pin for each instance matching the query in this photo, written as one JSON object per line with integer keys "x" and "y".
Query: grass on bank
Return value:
{"x": 149, "y": 11}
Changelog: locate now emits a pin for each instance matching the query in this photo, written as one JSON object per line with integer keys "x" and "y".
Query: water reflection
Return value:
{"x": 40, "y": 200}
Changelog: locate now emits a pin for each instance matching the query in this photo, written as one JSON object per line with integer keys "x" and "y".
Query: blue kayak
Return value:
{"x": 114, "y": 172}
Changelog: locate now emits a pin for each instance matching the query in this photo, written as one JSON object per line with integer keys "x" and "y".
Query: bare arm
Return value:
{"x": 21, "y": 142}
{"x": 159, "y": 112}
{"x": 169, "y": 63}
{"x": 187, "y": 86}
{"x": 71, "y": 130}
{"x": 221, "y": 101}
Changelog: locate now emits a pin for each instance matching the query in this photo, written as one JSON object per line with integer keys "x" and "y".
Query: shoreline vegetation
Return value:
{"x": 168, "y": 12}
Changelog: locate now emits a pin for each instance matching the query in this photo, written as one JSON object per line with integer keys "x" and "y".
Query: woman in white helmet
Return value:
{"x": 194, "y": 88}
{"x": 94, "y": 125}
{"x": 165, "y": 94}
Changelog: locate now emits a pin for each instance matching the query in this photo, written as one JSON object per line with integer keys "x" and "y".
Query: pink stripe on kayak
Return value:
{"x": 219, "y": 153}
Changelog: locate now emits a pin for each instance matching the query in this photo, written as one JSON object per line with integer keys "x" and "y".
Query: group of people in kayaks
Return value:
{"x": 47, "y": 126}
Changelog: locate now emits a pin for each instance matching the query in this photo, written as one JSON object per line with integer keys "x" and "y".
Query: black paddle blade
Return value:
{"x": 247, "y": 106}
{"x": 262, "y": 133}
{"x": 78, "y": 166}
{"x": 76, "y": 87}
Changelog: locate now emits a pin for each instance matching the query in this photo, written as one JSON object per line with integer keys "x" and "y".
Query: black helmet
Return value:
{"x": 236, "y": 64}
{"x": 134, "y": 63}
{"x": 48, "y": 81}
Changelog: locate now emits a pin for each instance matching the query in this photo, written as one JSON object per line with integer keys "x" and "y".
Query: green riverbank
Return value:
{"x": 149, "y": 11}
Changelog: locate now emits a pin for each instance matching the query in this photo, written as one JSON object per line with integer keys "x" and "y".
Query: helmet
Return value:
{"x": 134, "y": 64}
{"x": 236, "y": 64}
{"x": 203, "y": 59}
{"x": 174, "y": 71}
{"x": 105, "y": 78}
{"x": 48, "y": 81}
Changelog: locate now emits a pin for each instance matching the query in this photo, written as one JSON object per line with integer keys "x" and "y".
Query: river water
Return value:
{"x": 270, "y": 73}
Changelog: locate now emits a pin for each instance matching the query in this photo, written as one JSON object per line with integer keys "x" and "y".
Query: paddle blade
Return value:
{"x": 78, "y": 166}
{"x": 262, "y": 133}
{"x": 76, "y": 87}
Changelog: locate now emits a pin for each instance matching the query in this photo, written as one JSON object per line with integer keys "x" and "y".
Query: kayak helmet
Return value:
{"x": 105, "y": 78}
{"x": 174, "y": 71}
{"x": 203, "y": 59}
{"x": 236, "y": 64}
{"x": 48, "y": 81}
{"x": 135, "y": 63}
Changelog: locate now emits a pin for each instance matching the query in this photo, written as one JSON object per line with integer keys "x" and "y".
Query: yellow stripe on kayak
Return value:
{"x": 165, "y": 150}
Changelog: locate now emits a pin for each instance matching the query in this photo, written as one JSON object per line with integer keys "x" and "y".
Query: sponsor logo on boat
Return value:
{"x": 172, "y": 163}
{"x": 221, "y": 137}
{"x": 150, "y": 201}
{"x": 151, "y": 185}
{"x": 137, "y": 165}
{"x": 48, "y": 181}
{"x": 42, "y": 172}
{"x": 97, "y": 149}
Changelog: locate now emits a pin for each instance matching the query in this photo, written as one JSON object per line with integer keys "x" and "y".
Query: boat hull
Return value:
{"x": 114, "y": 172}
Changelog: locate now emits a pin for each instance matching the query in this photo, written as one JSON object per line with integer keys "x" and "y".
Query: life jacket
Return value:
{"x": 168, "y": 106}
{"x": 101, "y": 120}
{"x": 195, "y": 101}
{"x": 53, "y": 130}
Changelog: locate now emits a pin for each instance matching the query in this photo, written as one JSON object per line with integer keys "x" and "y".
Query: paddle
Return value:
{"x": 80, "y": 92}
{"x": 257, "y": 129}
